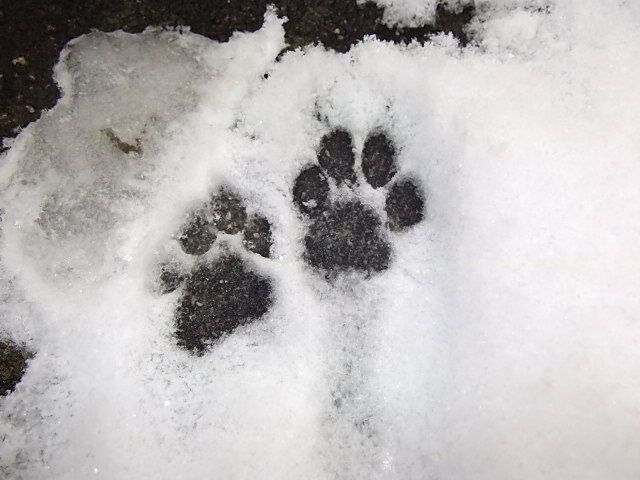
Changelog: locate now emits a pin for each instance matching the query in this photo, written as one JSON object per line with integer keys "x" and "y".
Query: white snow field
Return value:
{"x": 502, "y": 343}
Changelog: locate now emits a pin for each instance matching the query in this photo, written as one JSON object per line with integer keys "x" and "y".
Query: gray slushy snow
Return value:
{"x": 502, "y": 343}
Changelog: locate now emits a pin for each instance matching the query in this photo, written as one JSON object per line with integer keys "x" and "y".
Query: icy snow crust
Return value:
{"x": 501, "y": 343}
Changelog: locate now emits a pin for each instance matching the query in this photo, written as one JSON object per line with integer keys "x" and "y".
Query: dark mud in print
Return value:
{"x": 33, "y": 32}
{"x": 222, "y": 293}
{"x": 13, "y": 365}
{"x": 347, "y": 235}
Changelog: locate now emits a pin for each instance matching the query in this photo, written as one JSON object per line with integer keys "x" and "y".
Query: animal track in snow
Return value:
{"x": 346, "y": 234}
{"x": 222, "y": 293}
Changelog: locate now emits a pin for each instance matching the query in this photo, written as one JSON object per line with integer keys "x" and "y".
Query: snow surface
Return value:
{"x": 413, "y": 13}
{"x": 503, "y": 341}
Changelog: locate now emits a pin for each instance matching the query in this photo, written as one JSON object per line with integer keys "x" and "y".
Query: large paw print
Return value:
{"x": 223, "y": 292}
{"x": 344, "y": 233}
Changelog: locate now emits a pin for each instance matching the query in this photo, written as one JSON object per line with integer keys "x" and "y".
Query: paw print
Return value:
{"x": 345, "y": 234}
{"x": 221, "y": 292}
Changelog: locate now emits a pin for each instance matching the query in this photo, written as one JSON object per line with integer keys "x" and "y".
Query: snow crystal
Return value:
{"x": 501, "y": 342}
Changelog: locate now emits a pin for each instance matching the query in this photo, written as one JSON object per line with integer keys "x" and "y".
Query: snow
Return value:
{"x": 503, "y": 341}
{"x": 413, "y": 13}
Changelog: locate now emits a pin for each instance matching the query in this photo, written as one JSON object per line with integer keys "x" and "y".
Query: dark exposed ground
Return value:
{"x": 32, "y": 33}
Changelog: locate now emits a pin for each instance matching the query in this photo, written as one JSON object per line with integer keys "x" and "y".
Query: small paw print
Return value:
{"x": 344, "y": 233}
{"x": 221, "y": 292}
